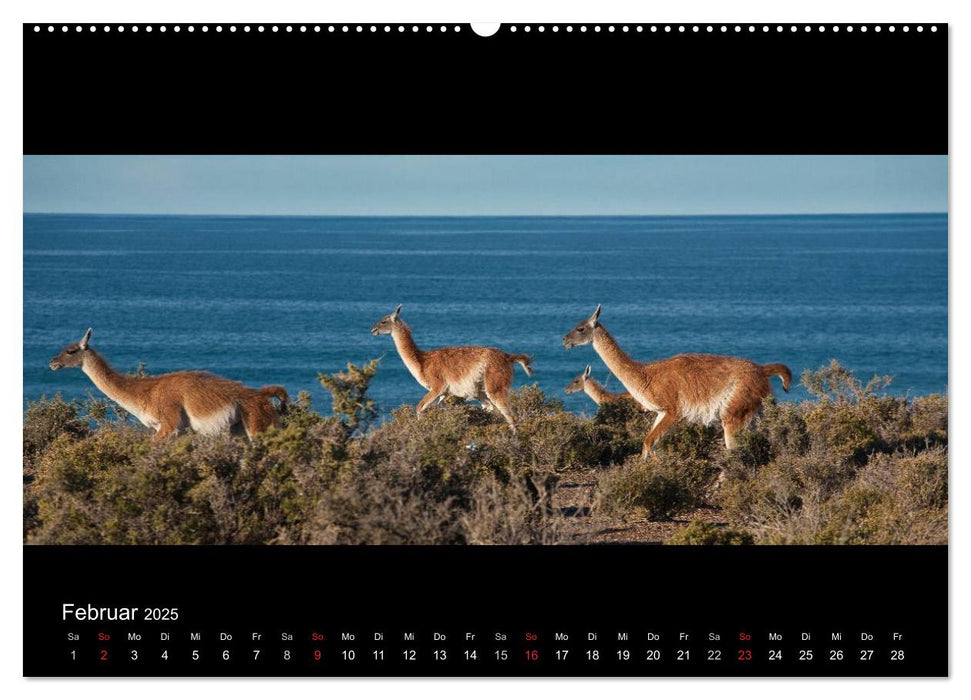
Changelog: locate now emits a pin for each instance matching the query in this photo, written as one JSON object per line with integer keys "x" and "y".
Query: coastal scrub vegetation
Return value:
{"x": 849, "y": 466}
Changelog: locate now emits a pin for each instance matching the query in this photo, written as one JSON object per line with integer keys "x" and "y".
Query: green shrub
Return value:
{"x": 702, "y": 533}
{"x": 928, "y": 414}
{"x": 753, "y": 449}
{"x": 835, "y": 383}
{"x": 46, "y": 420}
{"x": 299, "y": 412}
{"x": 784, "y": 426}
{"x": 75, "y": 486}
{"x": 689, "y": 443}
{"x": 616, "y": 432}
{"x": 348, "y": 390}
{"x": 662, "y": 487}
{"x": 550, "y": 438}
{"x": 894, "y": 499}
{"x": 922, "y": 478}
{"x": 843, "y": 431}
{"x": 927, "y": 425}
{"x": 435, "y": 449}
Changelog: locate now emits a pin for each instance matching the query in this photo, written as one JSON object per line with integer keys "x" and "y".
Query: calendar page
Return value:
{"x": 529, "y": 350}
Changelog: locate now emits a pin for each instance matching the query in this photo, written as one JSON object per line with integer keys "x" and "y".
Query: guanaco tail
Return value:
{"x": 471, "y": 372}
{"x": 168, "y": 403}
{"x": 592, "y": 388}
{"x": 697, "y": 388}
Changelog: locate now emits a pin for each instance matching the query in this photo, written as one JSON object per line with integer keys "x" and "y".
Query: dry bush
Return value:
{"x": 515, "y": 513}
{"x": 851, "y": 467}
{"x": 663, "y": 487}
{"x": 699, "y": 532}
{"x": 368, "y": 509}
{"x": 47, "y": 419}
{"x": 848, "y": 467}
{"x": 552, "y": 439}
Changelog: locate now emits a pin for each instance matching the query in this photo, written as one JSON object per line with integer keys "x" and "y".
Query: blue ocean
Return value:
{"x": 277, "y": 300}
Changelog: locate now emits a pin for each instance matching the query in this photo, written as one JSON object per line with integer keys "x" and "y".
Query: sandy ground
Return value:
{"x": 574, "y": 499}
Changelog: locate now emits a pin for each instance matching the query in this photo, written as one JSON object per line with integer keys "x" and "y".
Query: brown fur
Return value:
{"x": 777, "y": 369}
{"x": 172, "y": 402}
{"x": 469, "y": 372}
{"x": 592, "y": 388}
{"x": 695, "y": 387}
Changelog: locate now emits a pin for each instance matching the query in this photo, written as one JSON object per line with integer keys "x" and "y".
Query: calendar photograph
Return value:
{"x": 485, "y": 350}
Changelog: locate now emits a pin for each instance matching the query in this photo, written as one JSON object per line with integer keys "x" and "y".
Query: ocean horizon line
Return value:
{"x": 493, "y": 216}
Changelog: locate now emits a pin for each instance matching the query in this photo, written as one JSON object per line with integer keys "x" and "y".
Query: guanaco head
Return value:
{"x": 73, "y": 354}
{"x": 583, "y": 333}
{"x": 387, "y": 323}
{"x": 578, "y": 382}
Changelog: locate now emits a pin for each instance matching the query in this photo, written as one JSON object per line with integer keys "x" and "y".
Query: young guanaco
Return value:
{"x": 470, "y": 372}
{"x": 697, "y": 388}
{"x": 592, "y": 388}
{"x": 168, "y": 403}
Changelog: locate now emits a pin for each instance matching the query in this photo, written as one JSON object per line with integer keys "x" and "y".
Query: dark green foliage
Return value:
{"x": 753, "y": 449}
{"x": 784, "y": 426}
{"x": 299, "y": 412}
{"x": 348, "y": 390}
{"x": 46, "y": 419}
{"x": 617, "y": 432}
{"x": 691, "y": 443}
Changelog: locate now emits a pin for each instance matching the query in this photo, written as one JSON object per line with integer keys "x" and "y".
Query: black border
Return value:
{"x": 511, "y": 590}
{"x": 832, "y": 89}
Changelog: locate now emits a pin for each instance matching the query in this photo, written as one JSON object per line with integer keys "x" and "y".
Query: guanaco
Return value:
{"x": 168, "y": 403}
{"x": 694, "y": 387}
{"x": 592, "y": 388}
{"x": 470, "y": 372}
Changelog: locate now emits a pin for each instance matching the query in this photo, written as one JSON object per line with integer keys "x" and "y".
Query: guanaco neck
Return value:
{"x": 592, "y": 388}
{"x": 112, "y": 384}
{"x": 405, "y": 345}
{"x": 618, "y": 361}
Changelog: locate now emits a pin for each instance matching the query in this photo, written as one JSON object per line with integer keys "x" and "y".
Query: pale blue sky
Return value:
{"x": 484, "y": 185}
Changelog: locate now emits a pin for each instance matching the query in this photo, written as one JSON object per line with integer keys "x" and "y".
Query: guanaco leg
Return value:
{"x": 662, "y": 424}
{"x": 731, "y": 424}
{"x": 258, "y": 415}
{"x": 431, "y": 396}
{"x": 501, "y": 402}
{"x": 167, "y": 426}
{"x": 497, "y": 391}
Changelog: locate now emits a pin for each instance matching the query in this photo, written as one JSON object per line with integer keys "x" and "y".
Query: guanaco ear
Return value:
{"x": 596, "y": 315}
{"x": 84, "y": 341}
{"x": 394, "y": 315}
{"x": 586, "y": 372}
